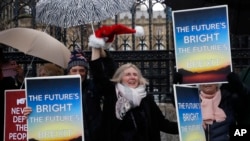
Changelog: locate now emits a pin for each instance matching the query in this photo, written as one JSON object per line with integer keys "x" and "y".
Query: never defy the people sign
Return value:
{"x": 15, "y": 127}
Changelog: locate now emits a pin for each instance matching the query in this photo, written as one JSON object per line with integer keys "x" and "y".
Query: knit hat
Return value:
{"x": 77, "y": 58}
{"x": 105, "y": 34}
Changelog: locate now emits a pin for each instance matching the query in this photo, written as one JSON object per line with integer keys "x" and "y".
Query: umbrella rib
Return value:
{"x": 93, "y": 12}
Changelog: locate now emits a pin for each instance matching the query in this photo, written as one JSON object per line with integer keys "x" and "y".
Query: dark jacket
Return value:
{"x": 219, "y": 131}
{"x": 142, "y": 123}
{"x": 6, "y": 83}
{"x": 92, "y": 113}
{"x": 232, "y": 97}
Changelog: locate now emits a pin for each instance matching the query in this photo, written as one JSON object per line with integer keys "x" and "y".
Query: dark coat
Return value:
{"x": 219, "y": 131}
{"x": 92, "y": 113}
{"x": 6, "y": 83}
{"x": 142, "y": 123}
{"x": 232, "y": 96}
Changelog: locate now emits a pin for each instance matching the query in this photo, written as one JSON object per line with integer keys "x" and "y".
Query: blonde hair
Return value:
{"x": 117, "y": 77}
{"x": 50, "y": 69}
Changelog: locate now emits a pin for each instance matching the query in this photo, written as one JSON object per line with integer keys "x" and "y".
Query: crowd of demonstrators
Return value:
{"x": 221, "y": 106}
{"x": 49, "y": 69}
{"x": 91, "y": 99}
{"x": 129, "y": 113}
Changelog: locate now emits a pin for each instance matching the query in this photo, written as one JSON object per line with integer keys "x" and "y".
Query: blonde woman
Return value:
{"x": 130, "y": 114}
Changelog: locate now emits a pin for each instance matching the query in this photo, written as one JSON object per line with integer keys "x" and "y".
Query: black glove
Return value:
{"x": 233, "y": 78}
{"x": 234, "y": 81}
{"x": 177, "y": 78}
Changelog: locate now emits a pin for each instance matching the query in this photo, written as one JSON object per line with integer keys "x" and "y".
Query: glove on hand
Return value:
{"x": 233, "y": 78}
{"x": 177, "y": 78}
{"x": 234, "y": 81}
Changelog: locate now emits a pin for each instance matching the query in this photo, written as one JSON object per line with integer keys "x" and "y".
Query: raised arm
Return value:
{"x": 96, "y": 53}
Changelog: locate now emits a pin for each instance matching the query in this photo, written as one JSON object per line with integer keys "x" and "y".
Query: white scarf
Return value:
{"x": 128, "y": 98}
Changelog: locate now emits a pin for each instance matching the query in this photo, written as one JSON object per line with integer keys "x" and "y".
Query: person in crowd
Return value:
{"x": 226, "y": 100}
{"x": 91, "y": 99}
{"x": 11, "y": 77}
{"x": 220, "y": 106}
{"x": 129, "y": 113}
{"x": 49, "y": 69}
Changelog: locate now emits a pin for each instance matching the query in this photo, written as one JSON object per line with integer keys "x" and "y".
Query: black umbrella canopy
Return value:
{"x": 239, "y": 11}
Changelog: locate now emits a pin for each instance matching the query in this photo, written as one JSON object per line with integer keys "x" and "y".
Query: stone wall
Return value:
{"x": 170, "y": 113}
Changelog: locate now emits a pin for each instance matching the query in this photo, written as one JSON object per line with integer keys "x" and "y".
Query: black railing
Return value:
{"x": 156, "y": 66}
{"x": 153, "y": 64}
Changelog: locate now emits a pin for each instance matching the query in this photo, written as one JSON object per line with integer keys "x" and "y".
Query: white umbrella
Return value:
{"x": 36, "y": 43}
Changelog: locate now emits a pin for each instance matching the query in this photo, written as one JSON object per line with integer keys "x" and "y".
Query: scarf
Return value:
{"x": 210, "y": 109}
{"x": 128, "y": 98}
